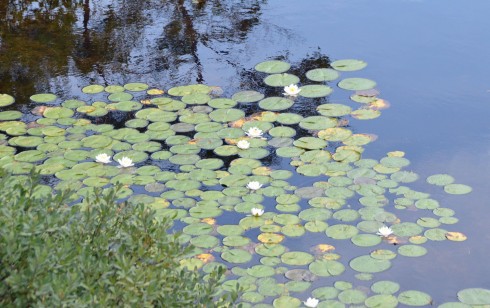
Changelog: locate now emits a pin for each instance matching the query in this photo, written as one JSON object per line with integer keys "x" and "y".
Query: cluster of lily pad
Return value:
{"x": 193, "y": 156}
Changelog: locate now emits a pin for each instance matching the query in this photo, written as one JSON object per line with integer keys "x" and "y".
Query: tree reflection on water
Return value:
{"x": 59, "y": 46}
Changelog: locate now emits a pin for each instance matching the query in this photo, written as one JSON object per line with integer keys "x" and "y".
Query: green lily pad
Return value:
{"x": 6, "y": 100}
{"x": 356, "y": 84}
{"x": 57, "y": 112}
{"x": 310, "y": 143}
{"x": 275, "y": 103}
{"x": 385, "y": 287}
{"x": 196, "y": 99}
{"x": 189, "y": 89}
{"x": 289, "y": 118}
{"x": 365, "y": 114}
{"x": 474, "y": 296}
{"x": 440, "y": 179}
{"x": 260, "y": 271}
{"x": 381, "y": 300}
{"x": 352, "y": 296}
{"x": 314, "y": 91}
{"x": 414, "y": 298}
{"x": 236, "y": 256}
{"x": 272, "y": 67}
{"x": 93, "y": 89}
{"x": 322, "y": 74}
{"x": 235, "y": 241}
{"x": 96, "y": 141}
{"x": 26, "y": 141}
{"x": 346, "y": 215}
{"x": 457, "y": 189}
{"x": 10, "y": 115}
{"x": 226, "y": 115}
{"x": 326, "y": 268}
{"x": 136, "y": 86}
{"x": 247, "y": 96}
{"x": 223, "y": 103}
{"x": 286, "y": 302}
{"x": 205, "y": 241}
{"x": 436, "y": 234}
{"x": 297, "y": 258}
{"x": 367, "y": 264}
{"x": 43, "y": 98}
{"x": 281, "y": 80}
{"x": 114, "y": 89}
{"x": 365, "y": 240}
{"x": 341, "y": 231}
{"x": 348, "y": 65}
{"x": 404, "y": 176}
{"x": 324, "y": 293}
{"x": 317, "y": 123}
{"x": 395, "y": 162}
{"x": 407, "y": 229}
{"x": 30, "y": 156}
{"x": 120, "y": 97}
{"x": 383, "y": 254}
{"x": 334, "y": 110}
{"x": 412, "y": 251}
{"x": 316, "y": 226}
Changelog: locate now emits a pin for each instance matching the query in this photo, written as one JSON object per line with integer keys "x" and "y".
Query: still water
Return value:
{"x": 430, "y": 60}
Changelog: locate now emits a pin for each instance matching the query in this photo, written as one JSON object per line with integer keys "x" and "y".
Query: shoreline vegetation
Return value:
{"x": 107, "y": 254}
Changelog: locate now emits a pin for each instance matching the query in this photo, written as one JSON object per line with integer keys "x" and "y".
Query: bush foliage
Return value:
{"x": 104, "y": 255}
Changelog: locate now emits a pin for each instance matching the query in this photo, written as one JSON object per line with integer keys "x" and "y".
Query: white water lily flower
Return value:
{"x": 291, "y": 90}
{"x": 254, "y": 132}
{"x": 254, "y": 185}
{"x": 384, "y": 231}
{"x": 103, "y": 158}
{"x": 311, "y": 302}
{"x": 125, "y": 162}
{"x": 243, "y": 144}
{"x": 257, "y": 212}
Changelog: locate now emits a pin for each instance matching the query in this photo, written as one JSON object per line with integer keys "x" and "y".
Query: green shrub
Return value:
{"x": 106, "y": 255}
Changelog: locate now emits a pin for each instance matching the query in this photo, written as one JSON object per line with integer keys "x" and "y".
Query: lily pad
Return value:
{"x": 381, "y": 300}
{"x": 341, "y": 231}
{"x": 367, "y": 264}
{"x": 385, "y": 287}
{"x": 414, "y": 298}
{"x": 297, "y": 258}
{"x": 275, "y": 103}
{"x": 281, "y": 80}
{"x": 322, "y": 74}
{"x": 317, "y": 123}
{"x": 10, "y": 115}
{"x": 43, "y": 98}
{"x": 136, "y": 86}
{"x": 457, "y": 189}
{"x": 6, "y": 100}
{"x": 247, "y": 96}
{"x": 93, "y": 89}
{"x": 272, "y": 67}
{"x": 412, "y": 251}
{"x": 120, "y": 97}
{"x": 440, "y": 179}
{"x": 474, "y": 296}
{"x": 236, "y": 256}
{"x": 314, "y": 91}
{"x": 348, "y": 65}
{"x": 352, "y": 296}
{"x": 326, "y": 268}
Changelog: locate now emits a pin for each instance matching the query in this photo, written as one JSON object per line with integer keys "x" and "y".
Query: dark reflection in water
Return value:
{"x": 45, "y": 44}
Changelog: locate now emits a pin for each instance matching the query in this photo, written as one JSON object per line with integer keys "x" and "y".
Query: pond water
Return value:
{"x": 430, "y": 60}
